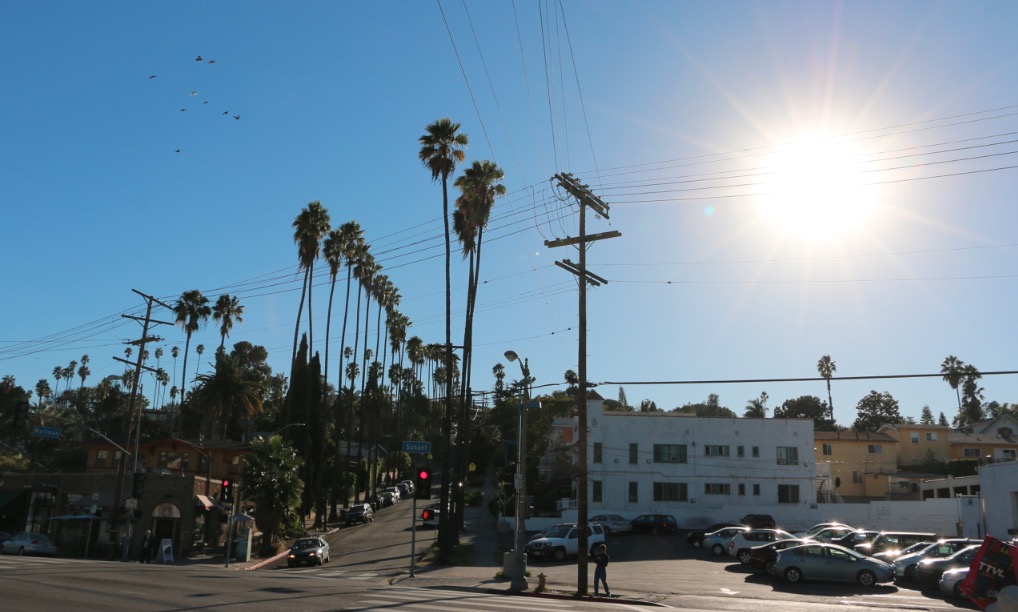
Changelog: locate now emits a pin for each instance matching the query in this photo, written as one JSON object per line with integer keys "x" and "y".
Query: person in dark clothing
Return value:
{"x": 601, "y": 558}
{"x": 146, "y": 547}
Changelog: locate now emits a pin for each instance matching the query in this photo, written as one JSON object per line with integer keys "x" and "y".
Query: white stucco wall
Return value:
{"x": 999, "y": 489}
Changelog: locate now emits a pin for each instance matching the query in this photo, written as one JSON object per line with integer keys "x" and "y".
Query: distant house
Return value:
{"x": 863, "y": 465}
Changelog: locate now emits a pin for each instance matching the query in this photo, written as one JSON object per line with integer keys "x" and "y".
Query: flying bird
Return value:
{"x": 152, "y": 76}
{"x": 177, "y": 151}
{"x": 204, "y": 101}
{"x": 237, "y": 117}
{"x": 226, "y": 112}
{"x": 194, "y": 93}
{"x": 183, "y": 110}
{"x": 198, "y": 59}
{"x": 212, "y": 61}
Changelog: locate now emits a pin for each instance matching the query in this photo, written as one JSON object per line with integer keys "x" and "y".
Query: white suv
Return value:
{"x": 741, "y": 542}
{"x": 562, "y": 540}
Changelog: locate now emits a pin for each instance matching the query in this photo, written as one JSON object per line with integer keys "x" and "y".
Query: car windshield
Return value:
{"x": 302, "y": 544}
{"x": 356, "y": 510}
{"x": 557, "y": 532}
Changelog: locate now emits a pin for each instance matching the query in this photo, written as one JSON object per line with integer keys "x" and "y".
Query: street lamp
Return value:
{"x": 519, "y": 580}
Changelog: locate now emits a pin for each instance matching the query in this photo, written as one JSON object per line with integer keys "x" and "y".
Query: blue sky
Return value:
{"x": 695, "y": 121}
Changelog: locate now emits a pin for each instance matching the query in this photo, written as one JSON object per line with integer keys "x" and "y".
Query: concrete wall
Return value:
{"x": 999, "y": 486}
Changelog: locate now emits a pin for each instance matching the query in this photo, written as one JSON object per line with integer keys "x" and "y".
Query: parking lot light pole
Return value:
{"x": 519, "y": 579}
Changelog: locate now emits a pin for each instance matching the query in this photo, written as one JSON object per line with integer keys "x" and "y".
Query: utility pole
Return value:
{"x": 586, "y": 199}
{"x": 122, "y": 464}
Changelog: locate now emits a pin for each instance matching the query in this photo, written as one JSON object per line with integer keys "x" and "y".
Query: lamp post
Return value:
{"x": 519, "y": 580}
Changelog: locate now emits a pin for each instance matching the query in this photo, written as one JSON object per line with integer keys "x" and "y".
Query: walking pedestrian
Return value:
{"x": 601, "y": 558}
{"x": 146, "y": 547}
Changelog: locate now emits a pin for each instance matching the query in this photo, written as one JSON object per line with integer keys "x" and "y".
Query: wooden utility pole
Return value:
{"x": 586, "y": 199}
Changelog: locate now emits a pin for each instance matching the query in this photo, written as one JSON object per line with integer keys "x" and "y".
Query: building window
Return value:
{"x": 740, "y": 451}
{"x": 788, "y": 494}
{"x": 931, "y": 436}
{"x": 875, "y": 449}
{"x": 597, "y": 452}
{"x": 788, "y": 455}
{"x": 828, "y": 450}
{"x": 756, "y": 490}
{"x": 742, "y": 489}
{"x": 669, "y": 453}
{"x": 596, "y": 493}
{"x": 717, "y": 488}
{"x": 971, "y": 453}
{"x": 915, "y": 437}
{"x": 174, "y": 461}
{"x": 634, "y": 452}
{"x": 756, "y": 451}
{"x": 634, "y": 492}
{"x": 716, "y": 450}
{"x": 102, "y": 458}
{"x": 203, "y": 464}
{"x": 856, "y": 477}
{"x": 670, "y": 491}
{"x": 1009, "y": 454}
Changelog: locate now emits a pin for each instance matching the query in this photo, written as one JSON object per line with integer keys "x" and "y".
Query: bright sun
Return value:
{"x": 816, "y": 188}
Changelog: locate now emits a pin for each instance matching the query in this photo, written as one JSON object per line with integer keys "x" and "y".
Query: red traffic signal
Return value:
{"x": 424, "y": 474}
{"x": 426, "y": 514}
{"x": 423, "y": 488}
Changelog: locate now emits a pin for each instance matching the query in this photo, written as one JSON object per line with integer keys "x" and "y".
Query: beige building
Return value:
{"x": 863, "y": 465}
{"x": 919, "y": 444}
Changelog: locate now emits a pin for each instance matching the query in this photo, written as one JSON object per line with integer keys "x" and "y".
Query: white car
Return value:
{"x": 951, "y": 580}
{"x": 613, "y": 523}
{"x": 717, "y": 542}
{"x": 394, "y": 491}
{"x": 563, "y": 540}
{"x": 741, "y": 543}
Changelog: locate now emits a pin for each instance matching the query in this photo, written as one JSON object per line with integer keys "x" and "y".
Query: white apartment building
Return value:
{"x": 660, "y": 462}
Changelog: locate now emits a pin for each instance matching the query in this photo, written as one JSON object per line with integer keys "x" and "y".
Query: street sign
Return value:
{"x": 41, "y": 431}
{"x": 130, "y": 503}
{"x": 416, "y": 446}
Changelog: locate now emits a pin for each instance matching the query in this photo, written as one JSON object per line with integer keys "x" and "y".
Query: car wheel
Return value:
{"x": 697, "y": 543}
{"x": 718, "y": 549}
{"x": 769, "y": 568}
{"x": 910, "y": 573}
{"x": 21, "y": 551}
{"x": 793, "y": 575}
{"x": 559, "y": 554}
{"x": 607, "y": 531}
{"x": 957, "y": 589}
{"x": 867, "y": 578}
{"x": 744, "y": 556}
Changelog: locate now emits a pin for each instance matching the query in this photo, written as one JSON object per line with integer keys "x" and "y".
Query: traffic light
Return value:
{"x": 227, "y": 492}
{"x": 423, "y": 488}
{"x": 426, "y": 514}
{"x": 138, "y": 485}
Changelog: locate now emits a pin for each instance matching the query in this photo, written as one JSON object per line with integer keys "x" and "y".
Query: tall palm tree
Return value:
{"x": 952, "y": 369}
{"x": 83, "y": 371}
{"x": 226, "y": 311}
{"x": 354, "y": 248}
{"x": 826, "y": 367}
{"x": 332, "y": 251}
{"x": 192, "y": 311}
{"x": 757, "y": 408}
{"x": 441, "y": 149}
{"x": 227, "y": 395}
{"x": 308, "y": 228}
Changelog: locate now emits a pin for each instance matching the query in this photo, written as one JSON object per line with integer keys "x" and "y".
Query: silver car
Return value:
{"x": 612, "y": 523}
{"x": 951, "y": 580}
{"x": 830, "y": 562}
{"x": 29, "y": 544}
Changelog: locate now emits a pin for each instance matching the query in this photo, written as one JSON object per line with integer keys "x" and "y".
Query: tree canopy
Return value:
{"x": 876, "y": 410}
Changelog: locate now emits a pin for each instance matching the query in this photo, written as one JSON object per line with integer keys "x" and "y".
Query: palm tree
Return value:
{"x": 83, "y": 371}
{"x": 757, "y": 408}
{"x": 227, "y": 310}
{"x": 42, "y": 390}
{"x": 192, "y": 311}
{"x": 441, "y": 149}
{"x": 332, "y": 250}
{"x": 952, "y": 368}
{"x": 826, "y": 367}
{"x": 308, "y": 228}
{"x": 354, "y": 248}
{"x": 226, "y": 395}
{"x": 272, "y": 481}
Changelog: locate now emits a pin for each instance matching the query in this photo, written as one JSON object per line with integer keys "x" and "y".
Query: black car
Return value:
{"x": 929, "y": 571}
{"x": 762, "y": 557}
{"x": 308, "y": 551}
{"x": 859, "y": 536}
{"x": 695, "y": 537}
{"x": 359, "y": 513}
{"x": 759, "y": 521}
{"x": 655, "y": 524}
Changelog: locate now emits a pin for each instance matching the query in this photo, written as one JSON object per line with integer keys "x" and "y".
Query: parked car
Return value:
{"x": 859, "y": 536}
{"x": 410, "y": 485}
{"x": 655, "y": 524}
{"x": 393, "y": 490}
{"x": 894, "y": 539}
{"x": 612, "y": 523}
{"x": 759, "y": 521}
{"x": 762, "y": 557}
{"x": 717, "y": 541}
{"x": 29, "y": 544}
{"x": 4, "y": 536}
{"x": 695, "y": 538}
{"x": 308, "y": 551}
{"x": 830, "y": 562}
{"x": 742, "y": 541}
{"x": 929, "y": 571}
{"x": 905, "y": 565}
{"x": 359, "y": 513}
{"x": 388, "y": 498}
{"x": 563, "y": 540}
{"x": 951, "y": 579}
{"x": 815, "y": 529}
{"x": 888, "y": 556}
{"x": 404, "y": 490}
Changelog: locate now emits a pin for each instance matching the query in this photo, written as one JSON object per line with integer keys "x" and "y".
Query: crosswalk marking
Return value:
{"x": 442, "y": 600}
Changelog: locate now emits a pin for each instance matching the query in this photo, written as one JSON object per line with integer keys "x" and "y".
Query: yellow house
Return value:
{"x": 986, "y": 447}
{"x": 863, "y": 465}
{"x": 919, "y": 444}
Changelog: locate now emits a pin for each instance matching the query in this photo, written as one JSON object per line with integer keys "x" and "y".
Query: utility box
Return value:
{"x": 509, "y": 564}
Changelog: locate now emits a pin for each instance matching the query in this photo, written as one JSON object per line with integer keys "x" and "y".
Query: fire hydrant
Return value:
{"x": 541, "y": 579}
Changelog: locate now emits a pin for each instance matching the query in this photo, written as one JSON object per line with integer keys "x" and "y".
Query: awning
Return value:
{"x": 204, "y": 502}
{"x": 73, "y": 517}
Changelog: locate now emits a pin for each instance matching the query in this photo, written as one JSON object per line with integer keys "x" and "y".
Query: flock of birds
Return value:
{"x": 194, "y": 92}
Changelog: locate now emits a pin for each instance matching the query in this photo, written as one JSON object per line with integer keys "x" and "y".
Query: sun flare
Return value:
{"x": 816, "y": 188}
